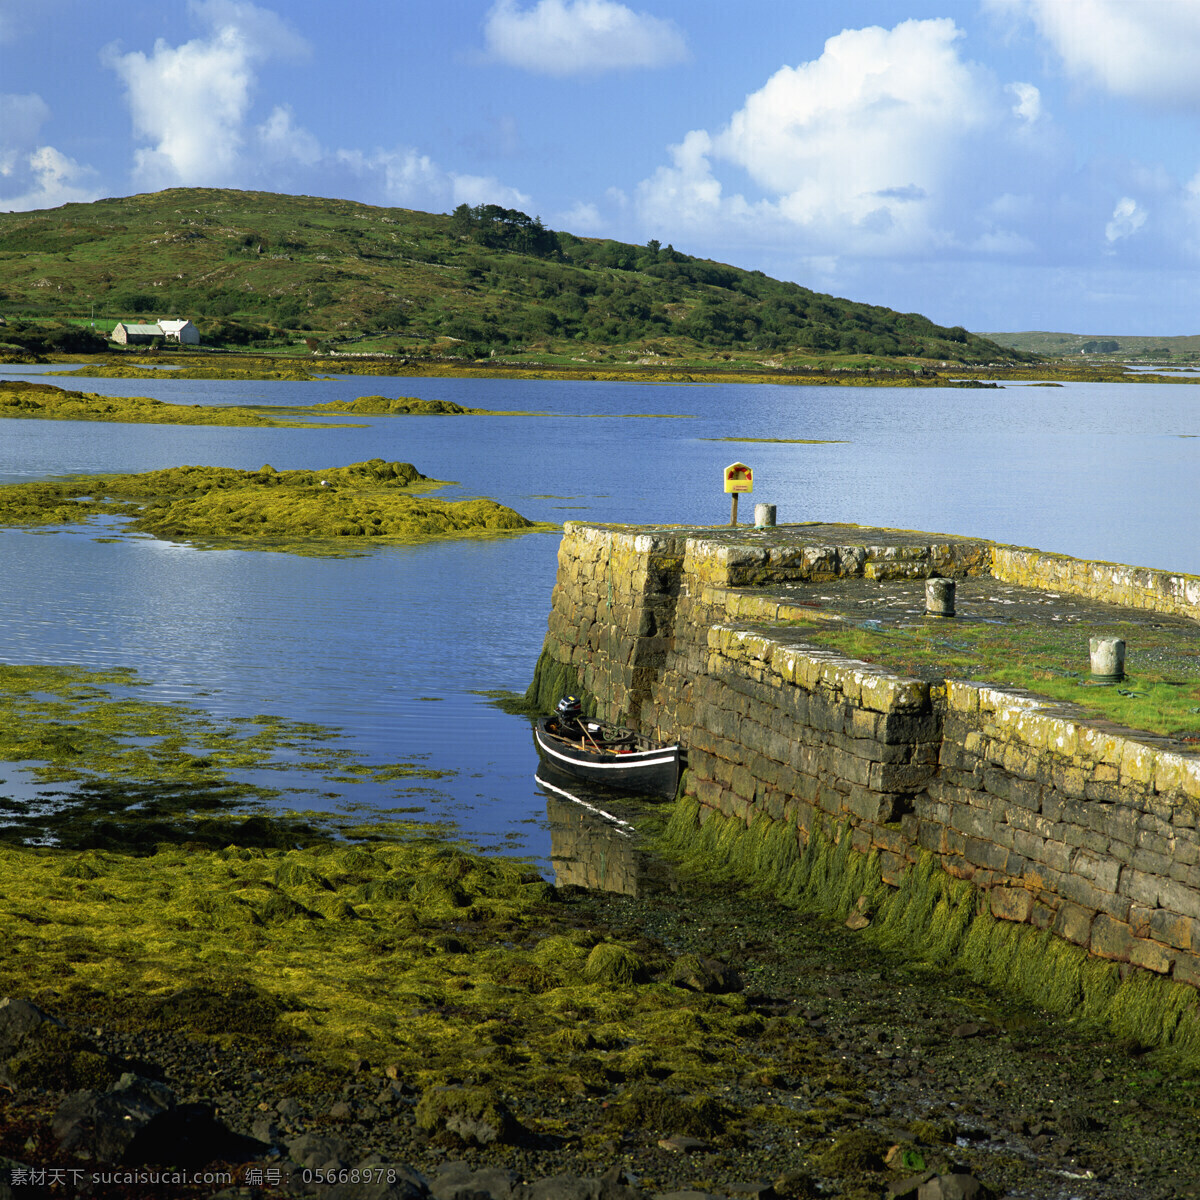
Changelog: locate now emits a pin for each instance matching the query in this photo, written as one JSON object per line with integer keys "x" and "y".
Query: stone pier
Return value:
{"x": 1062, "y": 821}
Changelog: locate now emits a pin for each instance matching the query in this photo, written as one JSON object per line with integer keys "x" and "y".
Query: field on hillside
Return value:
{"x": 270, "y": 271}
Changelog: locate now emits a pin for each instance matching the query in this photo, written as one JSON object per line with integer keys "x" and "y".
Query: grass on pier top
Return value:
{"x": 1046, "y": 653}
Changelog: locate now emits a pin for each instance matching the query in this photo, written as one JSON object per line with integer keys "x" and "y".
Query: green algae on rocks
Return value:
{"x": 935, "y": 918}
{"x": 289, "y": 372}
{"x": 301, "y": 511}
{"x": 462, "y": 973}
{"x": 406, "y": 406}
{"x": 44, "y": 401}
{"x": 139, "y": 772}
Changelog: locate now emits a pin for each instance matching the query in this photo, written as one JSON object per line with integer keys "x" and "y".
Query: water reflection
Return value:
{"x": 591, "y": 845}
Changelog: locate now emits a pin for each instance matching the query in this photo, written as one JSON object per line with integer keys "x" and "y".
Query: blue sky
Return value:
{"x": 1000, "y": 164}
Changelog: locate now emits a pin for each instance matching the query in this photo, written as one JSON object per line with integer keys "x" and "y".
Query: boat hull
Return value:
{"x": 650, "y": 770}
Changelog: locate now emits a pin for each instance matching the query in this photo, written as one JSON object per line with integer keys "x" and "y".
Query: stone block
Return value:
{"x": 911, "y": 726}
{"x": 1179, "y": 897}
{"x": 1032, "y": 846}
{"x": 1111, "y": 939}
{"x": 985, "y": 853}
{"x": 972, "y": 821}
{"x": 1010, "y": 903}
{"x": 1027, "y": 793}
{"x": 892, "y": 839}
{"x": 1151, "y": 956}
{"x": 931, "y": 837}
{"x": 1187, "y": 969}
{"x": 1183, "y": 933}
{"x": 1140, "y": 887}
{"x": 892, "y": 868}
{"x": 1042, "y": 916}
{"x": 1137, "y": 764}
{"x": 829, "y": 800}
{"x": 1102, "y": 792}
{"x": 899, "y": 777}
{"x": 850, "y": 768}
{"x": 958, "y": 867}
{"x": 1074, "y": 924}
{"x": 1150, "y": 862}
{"x": 1104, "y": 872}
{"x": 997, "y": 782}
{"x": 1082, "y": 892}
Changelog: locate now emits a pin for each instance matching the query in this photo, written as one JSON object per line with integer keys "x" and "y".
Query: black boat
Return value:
{"x": 607, "y": 754}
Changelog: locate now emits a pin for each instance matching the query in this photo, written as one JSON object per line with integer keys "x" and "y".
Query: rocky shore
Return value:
{"x": 860, "y": 1075}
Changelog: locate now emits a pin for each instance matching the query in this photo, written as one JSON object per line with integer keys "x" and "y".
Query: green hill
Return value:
{"x": 255, "y": 268}
{"x": 1122, "y": 345}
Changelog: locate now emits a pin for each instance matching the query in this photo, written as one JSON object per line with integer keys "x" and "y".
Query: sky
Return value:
{"x": 999, "y": 164}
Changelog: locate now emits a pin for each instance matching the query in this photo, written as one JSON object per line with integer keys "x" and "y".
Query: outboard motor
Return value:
{"x": 570, "y": 714}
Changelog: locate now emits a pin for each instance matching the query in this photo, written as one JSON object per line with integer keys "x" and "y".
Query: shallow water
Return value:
{"x": 394, "y": 645}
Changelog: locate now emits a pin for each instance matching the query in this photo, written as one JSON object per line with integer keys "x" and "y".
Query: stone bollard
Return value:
{"x": 1108, "y": 659}
{"x": 764, "y": 516}
{"x": 939, "y": 597}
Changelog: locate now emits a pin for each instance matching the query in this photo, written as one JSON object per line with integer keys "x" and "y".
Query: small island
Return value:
{"x": 43, "y": 401}
{"x": 302, "y": 511}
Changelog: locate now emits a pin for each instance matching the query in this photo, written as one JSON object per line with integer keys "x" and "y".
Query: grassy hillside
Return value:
{"x": 254, "y": 268}
{"x": 1059, "y": 345}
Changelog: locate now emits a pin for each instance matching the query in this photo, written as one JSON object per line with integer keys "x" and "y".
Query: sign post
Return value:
{"x": 738, "y": 478}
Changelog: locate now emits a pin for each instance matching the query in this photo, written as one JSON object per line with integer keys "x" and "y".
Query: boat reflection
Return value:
{"x": 592, "y": 846}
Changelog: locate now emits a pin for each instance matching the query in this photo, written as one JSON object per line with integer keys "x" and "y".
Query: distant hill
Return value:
{"x": 1058, "y": 345}
{"x": 260, "y": 268}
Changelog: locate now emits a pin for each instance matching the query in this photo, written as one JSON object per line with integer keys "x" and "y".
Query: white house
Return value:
{"x": 180, "y": 331}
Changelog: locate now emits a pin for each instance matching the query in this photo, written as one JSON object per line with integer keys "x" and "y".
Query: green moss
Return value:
{"x": 853, "y": 1153}
{"x": 60, "y": 1059}
{"x": 311, "y": 511}
{"x": 935, "y": 918}
{"x": 664, "y": 1113}
{"x": 474, "y": 1115}
{"x": 611, "y": 963}
{"x": 407, "y": 406}
{"x": 292, "y": 373}
{"x": 133, "y": 784}
{"x": 1161, "y": 691}
{"x": 551, "y": 681}
{"x": 44, "y": 401}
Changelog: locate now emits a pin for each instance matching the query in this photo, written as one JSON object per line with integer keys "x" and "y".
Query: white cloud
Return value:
{"x": 1146, "y": 50}
{"x": 50, "y": 178}
{"x": 413, "y": 180}
{"x": 865, "y": 149}
{"x": 190, "y": 102}
{"x": 1028, "y": 101}
{"x": 573, "y": 37}
{"x": 36, "y": 175}
{"x": 282, "y": 141}
{"x": 581, "y": 218}
{"x": 22, "y": 117}
{"x": 1128, "y": 217}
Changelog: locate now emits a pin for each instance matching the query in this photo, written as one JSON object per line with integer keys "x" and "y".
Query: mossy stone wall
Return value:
{"x": 1058, "y": 823}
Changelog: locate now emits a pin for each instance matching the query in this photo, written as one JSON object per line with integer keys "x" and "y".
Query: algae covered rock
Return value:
{"x": 289, "y": 510}
{"x": 611, "y": 963}
{"x": 474, "y": 1115}
{"x": 698, "y": 973}
{"x": 854, "y": 1152}
{"x": 661, "y": 1112}
{"x": 38, "y": 1052}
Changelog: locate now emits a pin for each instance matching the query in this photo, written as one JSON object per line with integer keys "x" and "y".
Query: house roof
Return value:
{"x": 147, "y": 330}
{"x": 173, "y": 326}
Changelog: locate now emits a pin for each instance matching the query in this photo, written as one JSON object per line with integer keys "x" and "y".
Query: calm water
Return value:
{"x": 395, "y": 645}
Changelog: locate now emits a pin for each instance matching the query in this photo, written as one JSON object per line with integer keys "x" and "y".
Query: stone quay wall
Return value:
{"x": 1061, "y": 822}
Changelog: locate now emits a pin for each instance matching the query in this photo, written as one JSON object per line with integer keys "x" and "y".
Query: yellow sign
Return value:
{"x": 739, "y": 478}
